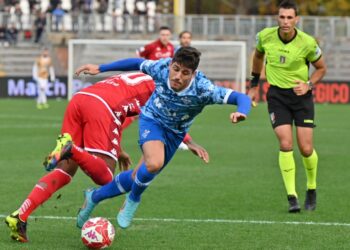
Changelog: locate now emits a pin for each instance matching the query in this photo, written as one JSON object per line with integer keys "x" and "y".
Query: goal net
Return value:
{"x": 223, "y": 62}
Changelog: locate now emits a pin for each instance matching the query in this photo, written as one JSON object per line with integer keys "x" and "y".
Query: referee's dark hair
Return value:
{"x": 288, "y": 4}
{"x": 188, "y": 57}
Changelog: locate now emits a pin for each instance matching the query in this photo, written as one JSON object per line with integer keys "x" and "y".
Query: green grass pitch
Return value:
{"x": 237, "y": 201}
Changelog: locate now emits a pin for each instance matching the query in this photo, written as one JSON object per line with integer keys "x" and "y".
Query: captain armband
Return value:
{"x": 254, "y": 79}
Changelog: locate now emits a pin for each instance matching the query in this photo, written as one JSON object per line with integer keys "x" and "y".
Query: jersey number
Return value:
{"x": 135, "y": 78}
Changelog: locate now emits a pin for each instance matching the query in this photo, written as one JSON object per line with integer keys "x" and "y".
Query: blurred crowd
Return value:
{"x": 29, "y": 16}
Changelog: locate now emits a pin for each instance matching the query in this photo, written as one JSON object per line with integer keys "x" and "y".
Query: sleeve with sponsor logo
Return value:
{"x": 258, "y": 42}
{"x": 315, "y": 52}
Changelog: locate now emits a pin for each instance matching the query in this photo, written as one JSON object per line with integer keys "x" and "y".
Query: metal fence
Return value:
{"x": 333, "y": 33}
{"x": 207, "y": 26}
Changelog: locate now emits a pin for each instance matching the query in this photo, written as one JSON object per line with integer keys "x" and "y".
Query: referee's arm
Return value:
{"x": 258, "y": 63}
{"x": 320, "y": 70}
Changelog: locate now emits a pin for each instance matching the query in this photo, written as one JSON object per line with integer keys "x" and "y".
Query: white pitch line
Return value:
{"x": 223, "y": 221}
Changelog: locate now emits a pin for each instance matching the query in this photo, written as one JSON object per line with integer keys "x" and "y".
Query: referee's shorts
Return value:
{"x": 285, "y": 106}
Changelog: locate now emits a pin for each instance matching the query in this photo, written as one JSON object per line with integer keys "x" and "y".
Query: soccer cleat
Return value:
{"x": 39, "y": 106}
{"x": 18, "y": 228}
{"x": 61, "y": 151}
{"x": 310, "y": 200}
{"x": 293, "y": 204}
{"x": 127, "y": 212}
{"x": 86, "y": 209}
{"x": 46, "y": 105}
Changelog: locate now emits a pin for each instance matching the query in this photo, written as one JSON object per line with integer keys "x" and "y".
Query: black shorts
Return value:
{"x": 285, "y": 106}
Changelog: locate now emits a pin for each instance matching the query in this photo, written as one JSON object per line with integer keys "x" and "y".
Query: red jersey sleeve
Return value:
{"x": 145, "y": 51}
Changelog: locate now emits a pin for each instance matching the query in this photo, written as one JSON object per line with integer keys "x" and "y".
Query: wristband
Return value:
{"x": 254, "y": 79}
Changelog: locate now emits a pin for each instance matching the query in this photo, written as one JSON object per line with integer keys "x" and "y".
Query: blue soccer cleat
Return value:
{"x": 127, "y": 212}
{"x": 86, "y": 209}
{"x": 62, "y": 151}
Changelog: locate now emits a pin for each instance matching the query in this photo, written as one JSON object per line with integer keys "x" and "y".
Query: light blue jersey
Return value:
{"x": 176, "y": 110}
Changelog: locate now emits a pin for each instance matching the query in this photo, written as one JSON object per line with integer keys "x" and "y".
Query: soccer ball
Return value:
{"x": 97, "y": 233}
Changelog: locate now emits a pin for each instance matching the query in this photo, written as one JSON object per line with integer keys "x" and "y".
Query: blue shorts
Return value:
{"x": 152, "y": 130}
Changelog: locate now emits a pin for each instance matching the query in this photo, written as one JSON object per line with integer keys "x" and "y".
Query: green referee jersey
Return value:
{"x": 287, "y": 62}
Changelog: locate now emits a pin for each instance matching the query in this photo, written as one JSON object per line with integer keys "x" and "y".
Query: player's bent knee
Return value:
{"x": 154, "y": 167}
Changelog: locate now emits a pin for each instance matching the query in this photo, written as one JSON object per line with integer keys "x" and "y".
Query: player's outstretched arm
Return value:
{"x": 243, "y": 103}
{"x": 236, "y": 117}
{"x": 91, "y": 69}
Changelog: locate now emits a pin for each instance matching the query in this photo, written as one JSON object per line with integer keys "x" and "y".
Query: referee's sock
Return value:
{"x": 310, "y": 164}
{"x": 121, "y": 184}
{"x": 287, "y": 166}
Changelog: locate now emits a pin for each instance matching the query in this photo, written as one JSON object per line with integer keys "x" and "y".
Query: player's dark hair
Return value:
{"x": 164, "y": 28}
{"x": 185, "y": 32}
{"x": 188, "y": 57}
{"x": 288, "y": 4}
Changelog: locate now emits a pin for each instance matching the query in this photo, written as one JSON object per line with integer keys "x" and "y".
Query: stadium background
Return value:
{"x": 245, "y": 208}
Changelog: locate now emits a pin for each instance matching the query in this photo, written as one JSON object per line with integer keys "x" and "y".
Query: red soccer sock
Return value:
{"x": 42, "y": 191}
{"x": 92, "y": 165}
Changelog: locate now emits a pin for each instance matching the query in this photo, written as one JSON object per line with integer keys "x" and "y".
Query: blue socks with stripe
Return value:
{"x": 121, "y": 184}
{"x": 142, "y": 179}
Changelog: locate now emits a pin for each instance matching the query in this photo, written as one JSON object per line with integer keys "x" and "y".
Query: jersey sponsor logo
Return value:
{"x": 162, "y": 55}
{"x": 284, "y": 50}
{"x": 185, "y": 117}
{"x": 318, "y": 51}
{"x": 282, "y": 59}
{"x": 145, "y": 133}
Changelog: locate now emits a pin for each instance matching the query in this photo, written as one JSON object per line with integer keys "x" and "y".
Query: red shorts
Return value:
{"x": 92, "y": 125}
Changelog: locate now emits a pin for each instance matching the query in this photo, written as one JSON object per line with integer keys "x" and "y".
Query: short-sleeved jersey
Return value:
{"x": 176, "y": 110}
{"x": 287, "y": 62}
{"x": 124, "y": 94}
{"x": 156, "y": 50}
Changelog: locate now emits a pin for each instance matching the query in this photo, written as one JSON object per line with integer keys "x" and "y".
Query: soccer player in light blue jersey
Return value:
{"x": 181, "y": 94}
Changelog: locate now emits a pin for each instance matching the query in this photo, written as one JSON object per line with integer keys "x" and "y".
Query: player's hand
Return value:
{"x": 237, "y": 117}
{"x": 252, "y": 93}
{"x": 91, "y": 69}
{"x": 198, "y": 150}
{"x": 301, "y": 89}
{"x": 124, "y": 161}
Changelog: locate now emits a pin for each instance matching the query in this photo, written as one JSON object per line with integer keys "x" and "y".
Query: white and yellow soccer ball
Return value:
{"x": 97, "y": 233}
